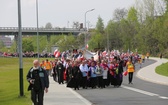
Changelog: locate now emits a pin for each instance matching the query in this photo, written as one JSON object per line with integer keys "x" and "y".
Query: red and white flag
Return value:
{"x": 87, "y": 46}
{"x": 57, "y": 53}
{"x": 104, "y": 53}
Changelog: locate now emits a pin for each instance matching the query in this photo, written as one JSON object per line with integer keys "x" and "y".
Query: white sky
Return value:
{"x": 60, "y": 13}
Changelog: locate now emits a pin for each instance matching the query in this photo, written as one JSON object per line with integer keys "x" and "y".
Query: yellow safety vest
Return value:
{"x": 130, "y": 67}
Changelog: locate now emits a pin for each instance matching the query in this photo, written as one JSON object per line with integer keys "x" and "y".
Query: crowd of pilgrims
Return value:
{"x": 90, "y": 73}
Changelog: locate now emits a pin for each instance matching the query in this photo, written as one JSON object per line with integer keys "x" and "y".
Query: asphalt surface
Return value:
{"x": 141, "y": 92}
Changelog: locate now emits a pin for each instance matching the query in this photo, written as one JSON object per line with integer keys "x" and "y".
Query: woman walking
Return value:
{"x": 130, "y": 68}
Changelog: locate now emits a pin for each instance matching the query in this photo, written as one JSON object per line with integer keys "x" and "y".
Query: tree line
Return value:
{"x": 142, "y": 27}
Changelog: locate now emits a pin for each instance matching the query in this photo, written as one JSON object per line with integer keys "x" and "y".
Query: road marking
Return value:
{"x": 162, "y": 97}
{"x": 139, "y": 91}
{"x": 143, "y": 92}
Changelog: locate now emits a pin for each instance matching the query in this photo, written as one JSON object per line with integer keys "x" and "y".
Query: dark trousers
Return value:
{"x": 55, "y": 77}
{"x": 119, "y": 79}
{"x": 113, "y": 80}
{"x": 93, "y": 82}
{"x": 100, "y": 81}
{"x": 105, "y": 83}
{"x": 84, "y": 82}
{"x": 37, "y": 97}
{"x": 76, "y": 80}
{"x": 60, "y": 79}
{"x": 130, "y": 77}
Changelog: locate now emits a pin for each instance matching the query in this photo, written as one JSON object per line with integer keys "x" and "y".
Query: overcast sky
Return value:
{"x": 60, "y": 13}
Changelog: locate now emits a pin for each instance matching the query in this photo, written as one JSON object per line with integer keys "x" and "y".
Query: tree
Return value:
{"x": 67, "y": 43}
{"x": 166, "y": 1}
{"x": 97, "y": 41}
{"x": 113, "y": 35}
{"x": 27, "y": 45}
{"x": 48, "y": 25}
{"x": 76, "y": 25}
{"x": 133, "y": 24}
{"x": 100, "y": 25}
{"x": 119, "y": 14}
{"x": 80, "y": 40}
{"x": 1, "y": 44}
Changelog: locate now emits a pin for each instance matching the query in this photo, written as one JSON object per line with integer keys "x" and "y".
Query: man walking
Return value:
{"x": 48, "y": 67}
{"x": 38, "y": 79}
{"x": 60, "y": 72}
{"x": 84, "y": 69}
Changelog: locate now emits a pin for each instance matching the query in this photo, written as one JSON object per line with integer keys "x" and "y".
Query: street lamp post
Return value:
{"x": 20, "y": 50}
{"x": 85, "y": 23}
{"x": 85, "y": 17}
{"x": 37, "y": 29}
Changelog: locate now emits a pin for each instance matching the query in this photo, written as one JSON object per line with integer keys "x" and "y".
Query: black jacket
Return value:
{"x": 76, "y": 73}
{"x": 43, "y": 78}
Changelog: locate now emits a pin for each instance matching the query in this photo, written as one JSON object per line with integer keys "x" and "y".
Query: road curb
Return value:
{"x": 149, "y": 80}
{"x": 154, "y": 80}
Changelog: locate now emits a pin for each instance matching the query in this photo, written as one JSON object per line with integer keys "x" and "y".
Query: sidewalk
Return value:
{"x": 61, "y": 95}
{"x": 148, "y": 73}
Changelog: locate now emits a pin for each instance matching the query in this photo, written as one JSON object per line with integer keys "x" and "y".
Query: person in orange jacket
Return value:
{"x": 42, "y": 64}
{"x": 48, "y": 67}
{"x": 131, "y": 69}
{"x": 147, "y": 55}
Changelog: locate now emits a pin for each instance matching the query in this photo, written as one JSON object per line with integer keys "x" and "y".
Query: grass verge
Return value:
{"x": 162, "y": 69}
{"x": 9, "y": 80}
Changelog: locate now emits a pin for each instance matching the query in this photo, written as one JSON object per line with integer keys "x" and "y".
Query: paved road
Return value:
{"x": 138, "y": 93}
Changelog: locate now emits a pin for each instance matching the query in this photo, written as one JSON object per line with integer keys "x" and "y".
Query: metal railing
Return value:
{"x": 40, "y": 29}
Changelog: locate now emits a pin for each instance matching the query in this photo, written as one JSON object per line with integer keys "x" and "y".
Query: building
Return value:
{"x": 6, "y": 41}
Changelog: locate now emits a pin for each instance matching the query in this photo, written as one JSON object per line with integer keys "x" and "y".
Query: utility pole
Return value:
{"x": 20, "y": 49}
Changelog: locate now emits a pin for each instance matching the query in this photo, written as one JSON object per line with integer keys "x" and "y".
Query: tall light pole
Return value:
{"x": 37, "y": 29}
{"x": 20, "y": 49}
{"x": 85, "y": 23}
{"x": 85, "y": 16}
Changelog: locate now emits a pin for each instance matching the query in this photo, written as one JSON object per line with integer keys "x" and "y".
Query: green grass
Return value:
{"x": 9, "y": 81}
{"x": 162, "y": 69}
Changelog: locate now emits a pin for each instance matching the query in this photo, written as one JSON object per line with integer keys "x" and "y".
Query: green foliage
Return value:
{"x": 68, "y": 43}
{"x": 43, "y": 45}
{"x": 147, "y": 34}
{"x": 1, "y": 44}
{"x": 112, "y": 29}
{"x": 100, "y": 25}
{"x": 80, "y": 39}
{"x": 97, "y": 41}
{"x": 5, "y": 49}
{"x": 13, "y": 47}
{"x": 27, "y": 45}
